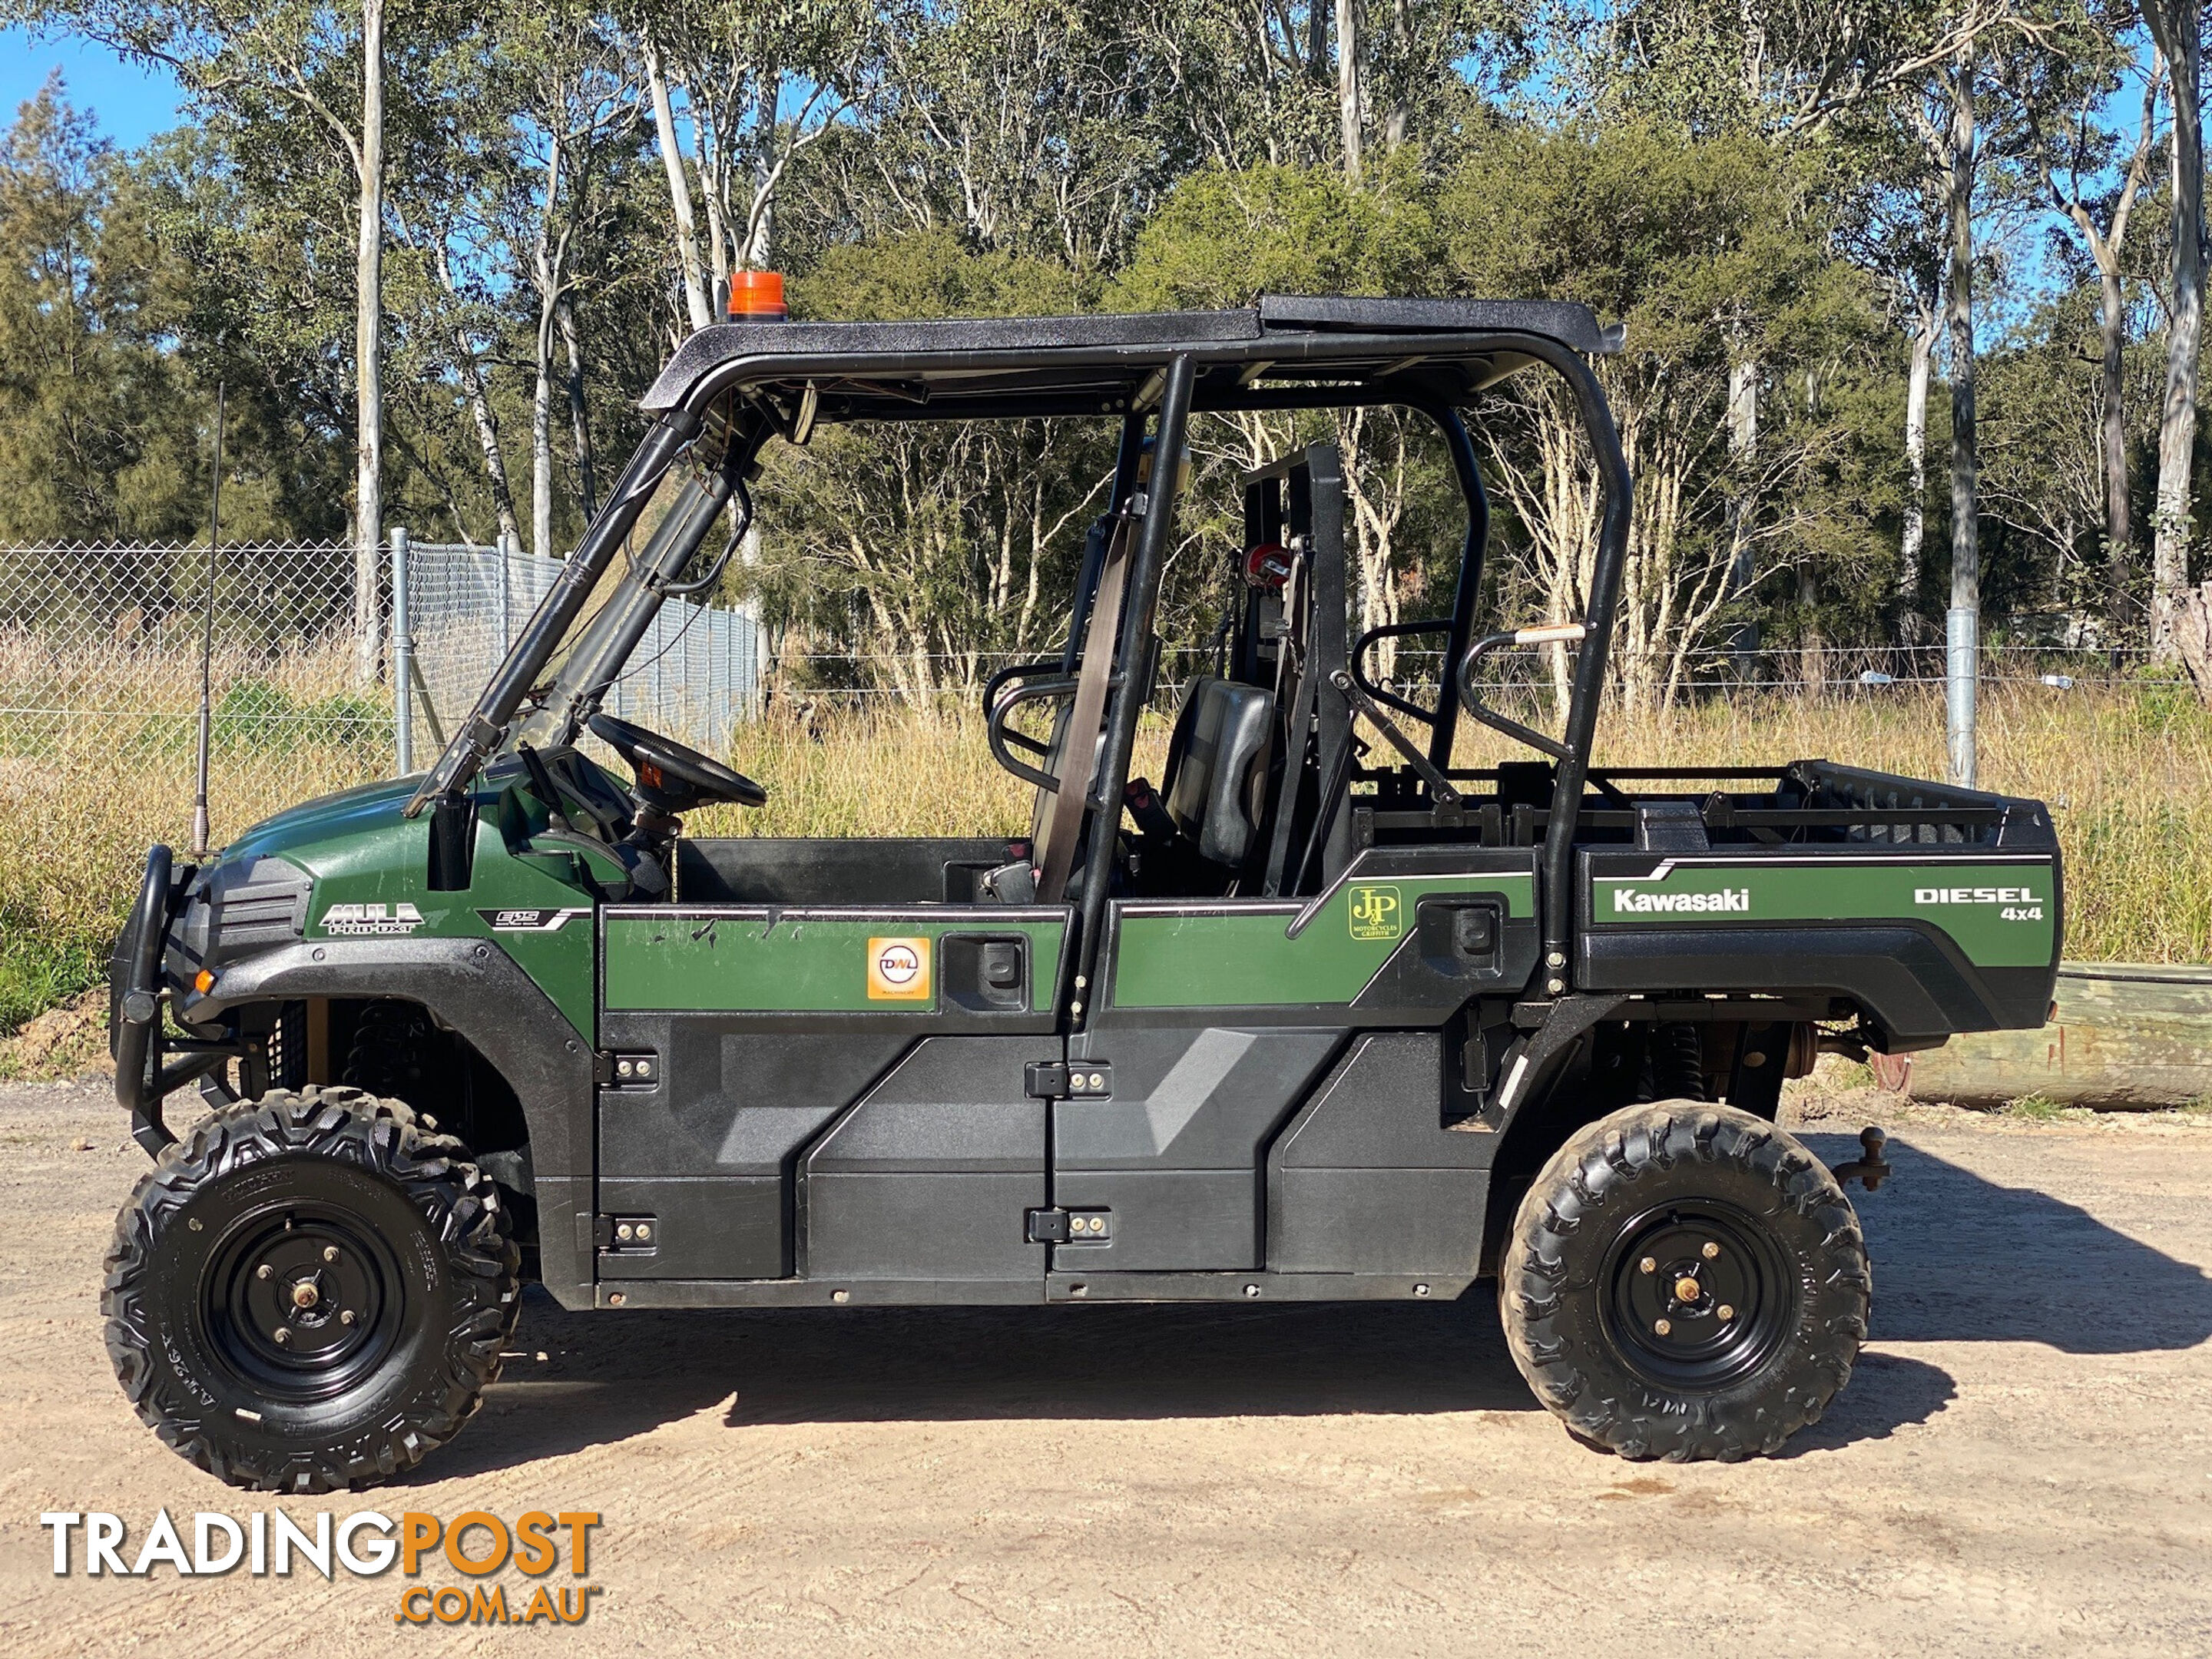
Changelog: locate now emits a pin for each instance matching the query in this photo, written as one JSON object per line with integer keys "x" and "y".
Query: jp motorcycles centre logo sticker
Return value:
{"x": 1378, "y": 913}
{"x": 371, "y": 921}
{"x": 898, "y": 971}
{"x": 539, "y": 921}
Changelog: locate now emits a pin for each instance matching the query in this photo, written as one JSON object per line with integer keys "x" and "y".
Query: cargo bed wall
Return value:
{"x": 1927, "y": 941}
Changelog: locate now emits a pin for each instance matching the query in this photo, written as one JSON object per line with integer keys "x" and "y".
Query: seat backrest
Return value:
{"x": 1217, "y": 770}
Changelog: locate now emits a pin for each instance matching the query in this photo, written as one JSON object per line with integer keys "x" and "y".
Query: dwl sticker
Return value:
{"x": 1378, "y": 913}
{"x": 898, "y": 971}
{"x": 371, "y": 919}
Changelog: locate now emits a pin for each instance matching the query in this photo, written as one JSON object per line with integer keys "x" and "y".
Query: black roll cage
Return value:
{"x": 1155, "y": 370}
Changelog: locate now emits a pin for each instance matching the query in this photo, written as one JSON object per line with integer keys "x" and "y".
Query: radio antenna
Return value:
{"x": 207, "y": 635}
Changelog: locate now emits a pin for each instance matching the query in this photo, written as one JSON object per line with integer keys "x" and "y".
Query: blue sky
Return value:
{"x": 132, "y": 103}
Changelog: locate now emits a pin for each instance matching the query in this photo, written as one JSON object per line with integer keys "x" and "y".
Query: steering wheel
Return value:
{"x": 672, "y": 777}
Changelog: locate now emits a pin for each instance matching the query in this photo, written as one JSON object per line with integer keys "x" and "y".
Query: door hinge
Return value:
{"x": 1058, "y": 1226}
{"x": 635, "y": 1069}
{"x": 1087, "y": 1080}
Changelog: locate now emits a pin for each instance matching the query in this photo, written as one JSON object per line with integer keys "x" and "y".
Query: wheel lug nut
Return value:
{"x": 1663, "y": 1326}
{"x": 330, "y": 1252}
{"x": 1711, "y": 1252}
{"x": 345, "y": 1316}
{"x": 1648, "y": 1265}
{"x": 263, "y": 1271}
{"x": 280, "y": 1335}
{"x": 1725, "y": 1311}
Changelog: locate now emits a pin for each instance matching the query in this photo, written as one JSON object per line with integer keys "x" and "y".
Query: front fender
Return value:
{"x": 477, "y": 989}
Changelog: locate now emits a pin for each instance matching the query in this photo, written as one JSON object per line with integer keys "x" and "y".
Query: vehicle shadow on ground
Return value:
{"x": 1956, "y": 1259}
{"x": 1959, "y": 1259}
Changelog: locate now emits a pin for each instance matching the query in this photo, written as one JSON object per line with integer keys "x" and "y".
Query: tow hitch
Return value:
{"x": 1868, "y": 1167}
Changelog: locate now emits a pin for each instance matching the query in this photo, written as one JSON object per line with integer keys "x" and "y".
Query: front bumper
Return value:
{"x": 144, "y": 1076}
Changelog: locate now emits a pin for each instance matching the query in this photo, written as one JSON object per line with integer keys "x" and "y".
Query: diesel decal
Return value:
{"x": 898, "y": 971}
{"x": 1975, "y": 896}
{"x": 538, "y": 921}
{"x": 1377, "y": 913}
{"x": 371, "y": 921}
{"x": 1730, "y": 898}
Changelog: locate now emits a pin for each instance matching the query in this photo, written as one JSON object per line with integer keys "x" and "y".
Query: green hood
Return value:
{"x": 333, "y": 832}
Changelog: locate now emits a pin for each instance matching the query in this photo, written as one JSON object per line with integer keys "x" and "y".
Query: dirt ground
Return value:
{"x": 2021, "y": 1465}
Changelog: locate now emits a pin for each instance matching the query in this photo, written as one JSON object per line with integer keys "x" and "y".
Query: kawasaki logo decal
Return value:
{"x": 374, "y": 921}
{"x": 1730, "y": 898}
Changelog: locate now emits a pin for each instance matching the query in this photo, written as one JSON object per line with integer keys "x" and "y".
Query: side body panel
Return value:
{"x": 1218, "y": 1020}
{"x": 824, "y": 1083}
{"x": 1930, "y": 942}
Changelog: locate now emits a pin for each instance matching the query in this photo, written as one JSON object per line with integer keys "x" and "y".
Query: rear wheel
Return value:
{"x": 1684, "y": 1281}
{"x": 311, "y": 1293}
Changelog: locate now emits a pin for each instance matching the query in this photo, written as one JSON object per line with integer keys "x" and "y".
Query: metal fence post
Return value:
{"x": 1961, "y": 671}
{"x": 403, "y": 657}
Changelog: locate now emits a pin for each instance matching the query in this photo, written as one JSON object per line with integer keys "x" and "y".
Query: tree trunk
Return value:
{"x": 2113, "y": 330}
{"x": 479, "y": 402}
{"x": 541, "y": 435}
{"x": 1812, "y": 653}
{"x": 1909, "y": 545}
{"x": 368, "y": 351}
{"x": 2177, "y": 29}
{"x": 1347, "y": 84}
{"x": 1402, "y": 35}
{"x": 580, "y": 418}
{"x": 1743, "y": 456}
{"x": 1966, "y": 547}
{"x": 679, "y": 189}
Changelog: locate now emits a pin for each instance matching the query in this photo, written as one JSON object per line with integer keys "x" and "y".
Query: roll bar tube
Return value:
{"x": 480, "y": 735}
{"x": 1573, "y": 770}
{"x": 1135, "y": 656}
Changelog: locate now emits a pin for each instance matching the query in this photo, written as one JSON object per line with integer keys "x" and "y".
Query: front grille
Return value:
{"x": 232, "y": 910}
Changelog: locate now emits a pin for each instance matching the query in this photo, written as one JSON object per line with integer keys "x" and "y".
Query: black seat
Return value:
{"x": 1217, "y": 767}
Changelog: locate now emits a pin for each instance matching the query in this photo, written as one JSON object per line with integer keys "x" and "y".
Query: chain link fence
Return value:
{"x": 102, "y": 656}
{"x": 101, "y": 651}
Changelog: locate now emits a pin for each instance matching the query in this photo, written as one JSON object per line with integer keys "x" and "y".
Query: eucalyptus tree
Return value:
{"x": 275, "y": 62}
{"x": 761, "y": 84}
{"x": 2094, "y": 173}
{"x": 2178, "y": 26}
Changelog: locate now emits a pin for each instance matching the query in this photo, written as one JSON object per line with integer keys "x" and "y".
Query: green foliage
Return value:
{"x": 258, "y": 714}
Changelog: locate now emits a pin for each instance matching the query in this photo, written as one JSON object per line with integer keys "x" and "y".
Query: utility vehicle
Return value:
{"x": 1320, "y": 1016}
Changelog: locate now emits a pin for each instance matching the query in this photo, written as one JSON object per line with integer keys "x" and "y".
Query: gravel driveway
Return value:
{"x": 2022, "y": 1463}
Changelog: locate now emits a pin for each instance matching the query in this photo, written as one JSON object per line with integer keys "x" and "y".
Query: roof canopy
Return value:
{"x": 1286, "y": 351}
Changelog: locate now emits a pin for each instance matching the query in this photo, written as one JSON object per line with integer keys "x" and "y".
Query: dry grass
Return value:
{"x": 2127, "y": 771}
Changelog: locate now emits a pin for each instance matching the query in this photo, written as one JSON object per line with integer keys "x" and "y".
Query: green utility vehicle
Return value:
{"x": 1322, "y": 1016}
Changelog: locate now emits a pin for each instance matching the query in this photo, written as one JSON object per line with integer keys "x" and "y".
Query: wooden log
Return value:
{"x": 2128, "y": 1037}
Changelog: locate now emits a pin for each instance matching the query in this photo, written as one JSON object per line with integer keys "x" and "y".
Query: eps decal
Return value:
{"x": 898, "y": 971}
{"x": 540, "y": 919}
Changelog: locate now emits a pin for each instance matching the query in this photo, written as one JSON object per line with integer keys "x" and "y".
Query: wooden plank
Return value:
{"x": 2127, "y": 1036}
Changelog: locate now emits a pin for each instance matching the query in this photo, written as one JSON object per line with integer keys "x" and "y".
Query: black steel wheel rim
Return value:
{"x": 302, "y": 1301}
{"x": 1698, "y": 1294}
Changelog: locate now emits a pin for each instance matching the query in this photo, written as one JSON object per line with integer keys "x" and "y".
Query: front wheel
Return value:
{"x": 311, "y": 1293}
{"x": 1684, "y": 1281}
